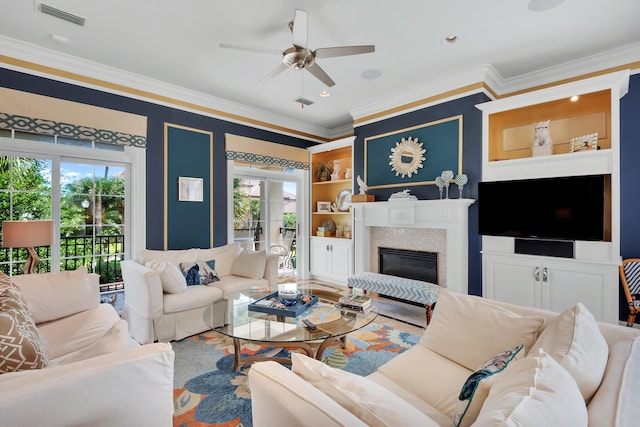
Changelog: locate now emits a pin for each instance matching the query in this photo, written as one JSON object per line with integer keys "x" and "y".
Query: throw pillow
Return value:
{"x": 224, "y": 256}
{"x": 56, "y": 295}
{"x": 475, "y": 389}
{"x": 574, "y": 340}
{"x": 22, "y": 346}
{"x": 172, "y": 279}
{"x": 469, "y": 330}
{"x": 366, "y": 399}
{"x": 198, "y": 273}
{"x": 537, "y": 391}
{"x": 250, "y": 264}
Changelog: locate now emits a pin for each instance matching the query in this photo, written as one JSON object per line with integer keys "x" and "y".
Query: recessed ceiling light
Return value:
{"x": 450, "y": 39}
{"x": 542, "y": 5}
{"x": 574, "y": 98}
{"x": 324, "y": 94}
{"x": 371, "y": 74}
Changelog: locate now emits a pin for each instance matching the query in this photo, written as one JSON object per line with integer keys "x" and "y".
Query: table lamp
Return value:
{"x": 27, "y": 234}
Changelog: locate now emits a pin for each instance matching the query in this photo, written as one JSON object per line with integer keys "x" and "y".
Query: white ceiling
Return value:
{"x": 175, "y": 46}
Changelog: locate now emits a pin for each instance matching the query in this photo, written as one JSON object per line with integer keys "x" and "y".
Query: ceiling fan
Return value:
{"x": 299, "y": 56}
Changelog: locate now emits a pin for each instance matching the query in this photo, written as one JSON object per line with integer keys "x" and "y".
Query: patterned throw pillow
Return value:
{"x": 476, "y": 388}
{"x": 199, "y": 272}
{"x": 22, "y": 346}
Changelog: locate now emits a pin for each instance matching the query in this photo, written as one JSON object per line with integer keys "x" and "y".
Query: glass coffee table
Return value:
{"x": 332, "y": 322}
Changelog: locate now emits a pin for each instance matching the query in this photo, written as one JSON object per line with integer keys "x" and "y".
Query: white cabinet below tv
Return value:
{"x": 553, "y": 284}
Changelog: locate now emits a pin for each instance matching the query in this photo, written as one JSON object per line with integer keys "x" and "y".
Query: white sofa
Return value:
{"x": 571, "y": 371}
{"x": 159, "y": 305}
{"x": 73, "y": 362}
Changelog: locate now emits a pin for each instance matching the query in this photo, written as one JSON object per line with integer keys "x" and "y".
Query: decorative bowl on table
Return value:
{"x": 289, "y": 296}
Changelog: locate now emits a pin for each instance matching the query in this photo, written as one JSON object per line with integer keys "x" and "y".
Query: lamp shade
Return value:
{"x": 27, "y": 234}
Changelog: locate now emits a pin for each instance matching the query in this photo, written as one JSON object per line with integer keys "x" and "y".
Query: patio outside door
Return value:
{"x": 266, "y": 217}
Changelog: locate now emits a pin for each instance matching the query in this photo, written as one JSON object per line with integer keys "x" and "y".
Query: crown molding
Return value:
{"x": 26, "y": 57}
{"x": 487, "y": 80}
{"x": 595, "y": 64}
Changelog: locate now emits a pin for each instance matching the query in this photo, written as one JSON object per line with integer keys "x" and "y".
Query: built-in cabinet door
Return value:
{"x": 590, "y": 284}
{"x": 550, "y": 284}
{"x": 342, "y": 258}
{"x": 331, "y": 259}
{"x": 320, "y": 257}
{"x": 511, "y": 280}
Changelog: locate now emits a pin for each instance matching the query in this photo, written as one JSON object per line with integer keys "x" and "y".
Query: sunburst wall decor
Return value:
{"x": 407, "y": 157}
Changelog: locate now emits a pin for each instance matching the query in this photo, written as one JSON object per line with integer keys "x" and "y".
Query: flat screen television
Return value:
{"x": 561, "y": 208}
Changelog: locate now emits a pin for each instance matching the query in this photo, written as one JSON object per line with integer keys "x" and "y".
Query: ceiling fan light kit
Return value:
{"x": 299, "y": 56}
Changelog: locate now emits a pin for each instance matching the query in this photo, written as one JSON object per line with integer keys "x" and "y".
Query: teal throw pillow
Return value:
{"x": 467, "y": 409}
{"x": 199, "y": 273}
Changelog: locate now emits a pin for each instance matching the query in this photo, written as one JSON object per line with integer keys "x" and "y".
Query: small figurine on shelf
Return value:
{"x": 336, "y": 170}
{"x": 542, "y": 143}
{"x": 363, "y": 186}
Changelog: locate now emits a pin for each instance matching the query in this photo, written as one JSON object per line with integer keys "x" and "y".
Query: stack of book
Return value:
{"x": 356, "y": 302}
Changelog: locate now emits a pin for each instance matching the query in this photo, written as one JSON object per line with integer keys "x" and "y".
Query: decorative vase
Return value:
{"x": 447, "y": 176}
{"x": 348, "y": 174}
{"x": 461, "y": 180}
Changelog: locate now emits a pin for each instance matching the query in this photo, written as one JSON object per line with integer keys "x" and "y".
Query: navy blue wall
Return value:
{"x": 471, "y": 163}
{"x": 157, "y": 115}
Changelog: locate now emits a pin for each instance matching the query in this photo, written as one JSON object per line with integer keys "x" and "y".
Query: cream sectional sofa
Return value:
{"x": 67, "y": 360}
{"x": 479, "y": 363}
{"x": 158, "y": 304}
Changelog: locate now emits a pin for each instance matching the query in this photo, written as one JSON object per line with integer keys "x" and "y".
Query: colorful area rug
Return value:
{"x": 207, "y": 392}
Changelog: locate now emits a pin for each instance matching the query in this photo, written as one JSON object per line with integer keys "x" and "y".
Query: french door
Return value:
{"x": 266, "y": 214}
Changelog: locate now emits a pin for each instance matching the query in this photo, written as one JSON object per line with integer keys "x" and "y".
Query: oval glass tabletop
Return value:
{"x": 330, "y": 319}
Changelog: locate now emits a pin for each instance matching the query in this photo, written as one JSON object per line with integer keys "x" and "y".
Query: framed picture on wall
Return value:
{"x": 190, "y": 189}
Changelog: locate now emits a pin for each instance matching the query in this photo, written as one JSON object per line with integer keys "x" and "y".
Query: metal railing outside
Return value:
{"x": 101, "y": 254}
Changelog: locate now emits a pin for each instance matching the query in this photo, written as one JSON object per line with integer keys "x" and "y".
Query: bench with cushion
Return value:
{"x": 398, "y": 287}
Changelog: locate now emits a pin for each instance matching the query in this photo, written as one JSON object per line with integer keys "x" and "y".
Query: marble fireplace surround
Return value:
{"x": 409, "y": 224}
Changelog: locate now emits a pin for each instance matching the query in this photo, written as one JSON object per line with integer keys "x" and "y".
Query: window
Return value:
{"x": 85, "y": 190}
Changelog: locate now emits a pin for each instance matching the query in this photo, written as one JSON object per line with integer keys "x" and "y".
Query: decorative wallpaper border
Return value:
{"x": 68, "y": 130}
{"x": 266, "y": 160}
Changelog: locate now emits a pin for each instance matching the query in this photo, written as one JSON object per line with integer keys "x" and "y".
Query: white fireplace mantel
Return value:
{"x": 452, "y": 215}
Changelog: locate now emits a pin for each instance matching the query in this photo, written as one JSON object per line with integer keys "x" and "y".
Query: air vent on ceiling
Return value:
{"x": 61, "y": 14}
{"x": 303, "y": 101}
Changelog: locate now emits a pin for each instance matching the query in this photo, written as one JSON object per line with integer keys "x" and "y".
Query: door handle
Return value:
{"x": 545, "y": 275}
{"x": 536, "y": 274}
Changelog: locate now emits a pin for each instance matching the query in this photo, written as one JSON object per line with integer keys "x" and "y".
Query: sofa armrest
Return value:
{"x": 271, "y": 269}
{"x": 143, "y": 302}
{"x": 277, "y": 390}
{"x": 615, "y": 402}
{"x": 128, "y": 387}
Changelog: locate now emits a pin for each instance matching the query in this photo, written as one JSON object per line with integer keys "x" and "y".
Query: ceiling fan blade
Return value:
{"x": 320, "y": 74}
{"x": 299, "y": 29}
{"x": 332, "y": 52}
{"x": 251, "y": 48}
{"x": 279, "y": 69}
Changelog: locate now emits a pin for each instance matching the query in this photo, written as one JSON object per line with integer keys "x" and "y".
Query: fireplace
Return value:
{"x": 410, "y": 264}
{"x": 429, "y": 225}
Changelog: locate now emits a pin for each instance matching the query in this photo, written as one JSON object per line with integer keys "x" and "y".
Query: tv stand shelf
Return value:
{"x": 591, "y": 276}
